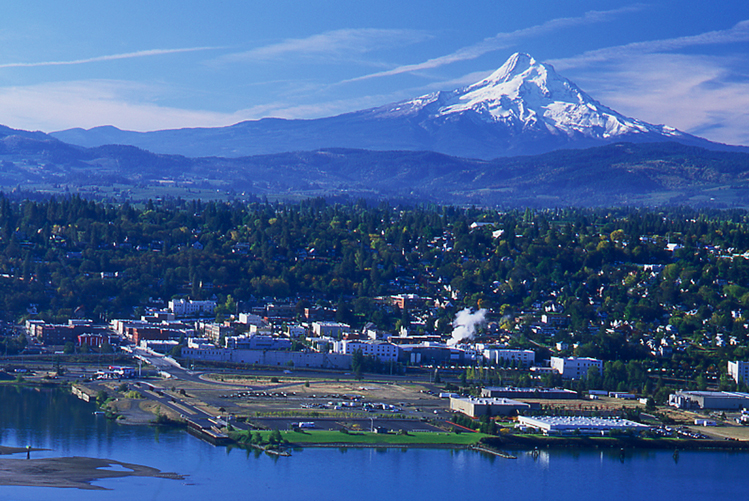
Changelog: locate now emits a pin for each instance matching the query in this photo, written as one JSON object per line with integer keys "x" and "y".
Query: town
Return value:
{"x": 501, "y": 312}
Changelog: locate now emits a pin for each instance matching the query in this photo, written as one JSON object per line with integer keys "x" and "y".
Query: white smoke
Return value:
{"x": 465, "y": 324}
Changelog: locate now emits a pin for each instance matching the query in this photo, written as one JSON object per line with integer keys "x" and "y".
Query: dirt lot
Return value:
{"x": 263, "y": 397}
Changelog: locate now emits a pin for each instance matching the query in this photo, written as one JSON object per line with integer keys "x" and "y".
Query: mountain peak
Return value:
{"x": 517, "y": 64}
{"x": 526, "y": 95}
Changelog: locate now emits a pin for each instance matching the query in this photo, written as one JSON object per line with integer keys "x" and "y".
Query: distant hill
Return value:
{"x": 617, "y": 174}
{"x": 523, "y": 108}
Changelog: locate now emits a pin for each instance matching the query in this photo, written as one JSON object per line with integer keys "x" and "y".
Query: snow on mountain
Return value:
{"x": 525, "y": 95}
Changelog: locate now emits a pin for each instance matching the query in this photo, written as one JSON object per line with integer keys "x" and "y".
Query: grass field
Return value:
{"x": 368, "y": 438}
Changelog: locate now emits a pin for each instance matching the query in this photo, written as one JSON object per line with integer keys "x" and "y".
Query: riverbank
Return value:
{"x": 322, "y": 438}
{"x": 157, "y": 404}
{"x": 530, "y": 442}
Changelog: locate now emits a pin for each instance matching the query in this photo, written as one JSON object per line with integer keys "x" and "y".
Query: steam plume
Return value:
{"x": 465, "y": 324}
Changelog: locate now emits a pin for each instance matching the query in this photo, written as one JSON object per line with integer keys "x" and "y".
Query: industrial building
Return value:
{"x": 534, "y": 393}
{"x": 716, "y": 400}
{"x": 285, "y": 358}
{"x": 384, "y": 352}
{"x": 561, "y": 425}
{"x": 329, "y": 329}
{"x": 475, "y": 407}
{"x": 524, "y": 358}
{"x": 575, "y": 367}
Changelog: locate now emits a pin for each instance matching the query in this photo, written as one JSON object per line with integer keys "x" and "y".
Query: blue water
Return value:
{"x": 68, "y": 427}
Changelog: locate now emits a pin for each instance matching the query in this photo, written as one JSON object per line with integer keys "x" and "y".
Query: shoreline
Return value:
{"x": 707, "y": 445}
{"x": 523, "y": 443}
{"x": 136, "y": 416}
{"x": 540, "y": 442}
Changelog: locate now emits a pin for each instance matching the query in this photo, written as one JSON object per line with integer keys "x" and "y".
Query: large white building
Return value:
{"x": 526, "y": 358}
{"x": 251, "y": 319}
{"x": 385, "y": 352}
{"x": 739, "y": 371}
{"x": 715, "y": 400}
{"x": 555, "y": 425}
{"x": 257, "y": 342}
{"x": 186, "y": 307}
{"x": 329, "y": 329}
{"x": 575, "y": 367}
{"x": 475, "y": 407}
{"x": 283, "y": 358}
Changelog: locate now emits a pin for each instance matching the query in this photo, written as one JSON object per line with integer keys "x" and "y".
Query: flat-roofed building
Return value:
{"x": 716, "y": 400}
{"x": 525, "y": 358}
{"x": 214, "y": 331}
{"x": 384, "y": 352}
{"x": 560, "y": 425}
{"x": 258, "y": 342}
{"x": 329, "y": 329}
{"x": 252, "y": 319}
{"x": 575, "y": 367}
{"x": 185, "y": 307}
{"x": 532, "y": 393}
{"x": 475, "y": 407}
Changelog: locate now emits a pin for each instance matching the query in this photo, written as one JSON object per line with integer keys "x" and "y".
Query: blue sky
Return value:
{"x": 147, "y": 65}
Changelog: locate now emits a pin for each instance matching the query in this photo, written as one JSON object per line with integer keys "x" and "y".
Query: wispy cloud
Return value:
{"x": 738, "y": 33}
{"x": 503, "y": 41}
{"x": 323, "y": 108}
{"x": 653, "y": 81}
{"x": 56, "y": 106}
{"x": 696, "y": 94}
{"x": 110, "y": 57}
{"x": 332, "y": 43}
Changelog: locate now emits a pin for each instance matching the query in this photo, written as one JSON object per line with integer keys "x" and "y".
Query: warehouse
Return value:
{"x": 715, "y": 400}
{"x": 565, "y": 425}
{"x": 534, "y": 393}
{"x": 475, "y": 407}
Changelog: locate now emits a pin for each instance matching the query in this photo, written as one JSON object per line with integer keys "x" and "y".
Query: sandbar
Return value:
{"x": 70, "y": 472}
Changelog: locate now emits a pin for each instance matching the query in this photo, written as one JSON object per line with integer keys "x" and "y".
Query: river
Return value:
{"x": 55, "y": 420}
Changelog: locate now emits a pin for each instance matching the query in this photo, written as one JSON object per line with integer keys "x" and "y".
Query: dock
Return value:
{"x": 206, "y": 429}
{"x": 493, "y": 452}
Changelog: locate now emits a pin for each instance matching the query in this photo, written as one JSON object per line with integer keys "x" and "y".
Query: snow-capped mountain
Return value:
{"x": 523, "y": 108}
{"x": 526, "y": 95}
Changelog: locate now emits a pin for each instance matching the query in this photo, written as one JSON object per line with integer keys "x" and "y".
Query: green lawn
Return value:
{"x": 369, "y": 438}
